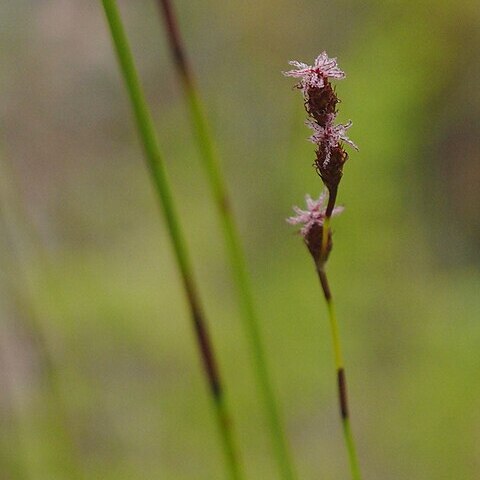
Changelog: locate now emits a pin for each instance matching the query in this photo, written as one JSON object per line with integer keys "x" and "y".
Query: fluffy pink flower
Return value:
{"x": 329, "y": 136}
{"x": 314, "y": 215}
{"x": 315, "y": 76}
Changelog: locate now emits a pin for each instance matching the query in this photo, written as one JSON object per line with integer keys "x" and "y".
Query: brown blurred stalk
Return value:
{"x": 233, "y": 245}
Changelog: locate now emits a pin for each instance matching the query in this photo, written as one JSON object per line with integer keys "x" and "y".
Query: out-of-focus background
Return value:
{"x": 87, "y": 274}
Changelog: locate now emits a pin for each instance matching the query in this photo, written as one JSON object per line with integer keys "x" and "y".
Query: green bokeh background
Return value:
{"x": 99, "y": 277}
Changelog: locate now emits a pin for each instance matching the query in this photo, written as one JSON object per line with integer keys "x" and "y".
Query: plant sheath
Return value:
{"x": 233, "y": 245}
{"x": 160, "y": 180}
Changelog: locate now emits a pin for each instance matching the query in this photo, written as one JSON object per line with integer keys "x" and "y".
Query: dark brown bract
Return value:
{"x": 330, "y": 170}
{"x": 313, "y": 241}
{"x": 321, "y": 103}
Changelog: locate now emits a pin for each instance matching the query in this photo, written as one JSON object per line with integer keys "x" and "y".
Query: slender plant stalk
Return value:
{"x": 234, "y": 248}
{"x": 160, "y": 180}
{"x": 340, "y": 371}
{"x": 16, "y": 229}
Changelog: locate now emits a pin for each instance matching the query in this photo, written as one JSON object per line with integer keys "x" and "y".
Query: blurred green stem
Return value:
{"x": 234, "y": 249}
{"x": 340, "y": 372}
{"x": 25, "y": 251}
{"x": 22, "y": 466}
{"x": 160, "y": 180}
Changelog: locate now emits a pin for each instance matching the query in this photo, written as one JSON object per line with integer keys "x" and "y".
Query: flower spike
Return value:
{"x": 321, "y": 106}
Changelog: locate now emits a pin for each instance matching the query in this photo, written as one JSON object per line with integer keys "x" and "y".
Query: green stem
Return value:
{"x": 233, "y": 245}
{"x": 352, "y": 452}
{"x": 341, "y": 378}
{"x": 160, "y": 180}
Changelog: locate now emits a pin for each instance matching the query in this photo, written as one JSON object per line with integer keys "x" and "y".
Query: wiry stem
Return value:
{"x": 341, "y": 379}
{"x": 160, "y": 180}
{"x": 233, "y": 245}
{"x": 339, "y": 365}
{"x": 332, "y": 198}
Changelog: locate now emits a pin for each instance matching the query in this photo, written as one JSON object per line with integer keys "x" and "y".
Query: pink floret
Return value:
{"x": 329, "y": 136}
{"x": 315, "y": 76}
{"x": 314, "y": 215}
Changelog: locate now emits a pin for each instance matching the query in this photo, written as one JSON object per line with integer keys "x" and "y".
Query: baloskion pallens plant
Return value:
{"x": 321, "y": 105}
{"x": 157, "y": 170}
